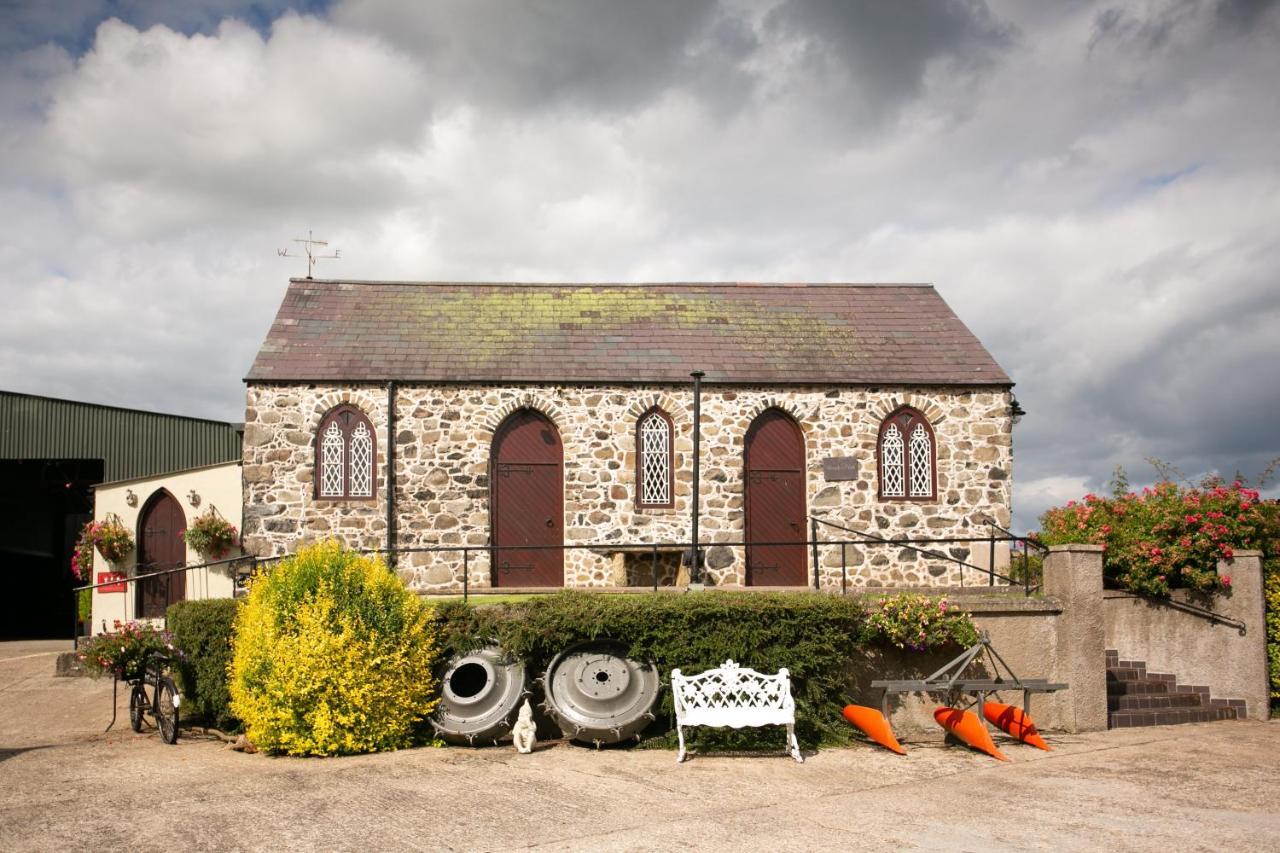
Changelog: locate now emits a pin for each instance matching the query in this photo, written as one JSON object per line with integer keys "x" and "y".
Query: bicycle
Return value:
{"x": 161, "y": 702}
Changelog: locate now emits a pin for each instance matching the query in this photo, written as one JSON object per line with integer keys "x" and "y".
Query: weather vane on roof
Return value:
{"x": 312, "y": 257}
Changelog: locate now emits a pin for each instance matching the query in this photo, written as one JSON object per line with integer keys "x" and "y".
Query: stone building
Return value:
{"x": 532, "y": 417}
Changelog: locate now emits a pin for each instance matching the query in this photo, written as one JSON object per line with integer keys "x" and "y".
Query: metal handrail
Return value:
{"x": 937, "y": 555}
{"x": 1190, "y": 609}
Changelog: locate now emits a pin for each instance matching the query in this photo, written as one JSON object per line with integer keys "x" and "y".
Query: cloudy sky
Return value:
{"x": 1093, "y": 186}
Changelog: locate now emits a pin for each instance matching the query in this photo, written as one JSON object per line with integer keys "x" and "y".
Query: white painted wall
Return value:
{"x": 216, "y": 485}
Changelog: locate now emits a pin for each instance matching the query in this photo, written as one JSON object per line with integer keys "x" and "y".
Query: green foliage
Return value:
{"x": 1272, "y": 573}
{"x": 817, "y": 637}
{"x": 331, "y": 655}
{"x": 211, "y": 535}
{"x": 123, "y": 651}
{"x": 1027, "y": 567}
{"x": 202, "y": 631}
{"x": 1167, "y": 537}
{"x": 84, "y": 605}
{"x": 918, "y": 623}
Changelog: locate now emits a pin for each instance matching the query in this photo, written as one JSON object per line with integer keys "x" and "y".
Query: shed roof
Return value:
{"x": 131, "y": 442}
{"x": 331, "y": 330}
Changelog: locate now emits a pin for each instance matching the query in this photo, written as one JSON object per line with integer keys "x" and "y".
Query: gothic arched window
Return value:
{"x": 346, "y": 451}
{"x": 654, "y": 460}
{"x": 905, "y": 453}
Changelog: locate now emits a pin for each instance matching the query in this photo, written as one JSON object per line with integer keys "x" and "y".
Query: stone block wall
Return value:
{"x": 443, "y": 441}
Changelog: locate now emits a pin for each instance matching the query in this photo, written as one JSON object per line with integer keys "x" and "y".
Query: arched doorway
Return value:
{"x": 775, "y": 501}
{"x": 527, "y": 503}
{"x": 161, "y": 546}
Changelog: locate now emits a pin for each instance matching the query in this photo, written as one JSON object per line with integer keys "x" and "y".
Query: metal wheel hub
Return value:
{"x": 479, "y": 696}
{"x": 598, "y": 695}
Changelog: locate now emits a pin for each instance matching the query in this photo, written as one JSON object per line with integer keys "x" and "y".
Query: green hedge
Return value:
{"x": 817, "y": 637}
{"x": 825, "y": 641}
{"x": 202, "y": 631}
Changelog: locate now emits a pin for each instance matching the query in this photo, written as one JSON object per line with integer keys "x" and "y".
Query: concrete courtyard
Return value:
{"x": 68, "y": 785}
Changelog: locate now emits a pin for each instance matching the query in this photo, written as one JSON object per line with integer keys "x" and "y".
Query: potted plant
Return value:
{"x": 211, "y": 535}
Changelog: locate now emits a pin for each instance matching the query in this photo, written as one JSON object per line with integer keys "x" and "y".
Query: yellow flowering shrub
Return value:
{"x": 332, "y": 655}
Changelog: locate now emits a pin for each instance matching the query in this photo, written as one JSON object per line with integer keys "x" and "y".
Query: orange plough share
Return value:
{"x": 1014, "y": 722}
{"x": 966, "y": 726}
{"x": 873, "y": 724}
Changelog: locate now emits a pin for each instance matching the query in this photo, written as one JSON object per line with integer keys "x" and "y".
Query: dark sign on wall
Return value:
{"x": 836, "y": 468}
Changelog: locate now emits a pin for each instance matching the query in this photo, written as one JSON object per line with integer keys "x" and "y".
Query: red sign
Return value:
{"x": 114, "y": 580}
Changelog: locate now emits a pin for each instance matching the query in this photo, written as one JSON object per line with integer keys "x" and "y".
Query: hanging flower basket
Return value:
{"x": 82, "y": 556}
{"x": 211, "y": 535}
{"x": 111, "y": 539}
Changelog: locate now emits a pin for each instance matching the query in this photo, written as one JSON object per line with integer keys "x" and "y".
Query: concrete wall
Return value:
{"x": 1057, "y": 636}
{"x": 1231, "y": 664}
{"x": 443, "y": 442}
{"x": 217, "y": 486}
{"x": 1022, "y": 629}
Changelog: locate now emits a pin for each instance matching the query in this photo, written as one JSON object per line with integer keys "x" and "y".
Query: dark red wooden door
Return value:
{"x": 161, "y": 546}
{"x": 528, "y": 502}
{"x": 775, "y": 501}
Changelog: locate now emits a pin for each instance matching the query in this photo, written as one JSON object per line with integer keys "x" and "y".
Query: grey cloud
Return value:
{"x": 598, "y": 54}
{"x": 1152, "y": 29}
{"x": 885, "y": 49}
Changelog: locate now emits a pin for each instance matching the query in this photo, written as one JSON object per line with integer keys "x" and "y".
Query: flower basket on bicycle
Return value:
{"x": 139, "y": 655}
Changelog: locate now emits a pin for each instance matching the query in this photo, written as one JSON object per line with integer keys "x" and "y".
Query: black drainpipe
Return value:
{"x": 695, "y": 563}
{"x": 391, "y": 473}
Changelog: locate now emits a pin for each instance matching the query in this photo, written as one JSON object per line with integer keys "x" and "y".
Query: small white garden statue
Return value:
{"x": 524, "y": 733}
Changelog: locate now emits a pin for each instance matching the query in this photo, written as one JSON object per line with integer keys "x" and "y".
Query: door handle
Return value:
{"x": 550, "y": 523}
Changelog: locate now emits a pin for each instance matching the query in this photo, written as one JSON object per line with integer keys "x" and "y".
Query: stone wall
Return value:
{"x": 443, "y": 437}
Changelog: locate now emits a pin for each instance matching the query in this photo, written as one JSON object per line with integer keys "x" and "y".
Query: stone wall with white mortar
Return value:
{"x": 443, "y": 440}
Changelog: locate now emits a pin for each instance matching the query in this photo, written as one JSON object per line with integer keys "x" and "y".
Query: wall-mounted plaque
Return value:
{"x": 835, "y": 468}
{"x": 114, "y": 582}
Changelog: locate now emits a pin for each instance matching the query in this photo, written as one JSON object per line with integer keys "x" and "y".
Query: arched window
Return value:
{"x": 906, "y": 457}
{"x": 654, "y": 460}
{"x": 346, "y": 451}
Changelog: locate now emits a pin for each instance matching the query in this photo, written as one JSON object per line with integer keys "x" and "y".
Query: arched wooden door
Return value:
{"x": 161, "y": 546}
{"x": 527, "y": 502}
{"x": 775, "y": 501}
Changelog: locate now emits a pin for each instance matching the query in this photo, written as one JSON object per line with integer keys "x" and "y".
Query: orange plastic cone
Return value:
{"x": 966, "y": 726}
{"x": 1011, "y": 719}
{"x": 873, "y": 724}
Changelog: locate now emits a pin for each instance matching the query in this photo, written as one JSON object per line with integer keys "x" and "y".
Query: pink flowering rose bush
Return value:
{"x": 1165, "y": 537}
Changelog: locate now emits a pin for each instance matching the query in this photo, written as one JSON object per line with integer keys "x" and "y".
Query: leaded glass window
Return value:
{"x": 653, "y": 463}
{"x": 891, "y": 452}
{"x": 346, "y": 452}
{"x": 907, "y": 456}
{"x": 332, "y": 460}
{"x": 361, "y": 461}
{"x": 921, "y": 467}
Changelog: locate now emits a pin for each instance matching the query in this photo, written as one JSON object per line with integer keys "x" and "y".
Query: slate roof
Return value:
{"x": 855, "y": 334}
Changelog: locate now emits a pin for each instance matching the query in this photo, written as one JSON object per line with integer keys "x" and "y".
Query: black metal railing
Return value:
{"x": 913, "y": 544}
{"x": 248, "y": 564}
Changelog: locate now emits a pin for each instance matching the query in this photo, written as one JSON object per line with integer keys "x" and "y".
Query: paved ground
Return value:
{"x": 66, "y": 784}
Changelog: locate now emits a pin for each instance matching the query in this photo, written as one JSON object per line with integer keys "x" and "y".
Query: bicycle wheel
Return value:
{"x": 167, "y": 701}
{"x": 138, "y": 704}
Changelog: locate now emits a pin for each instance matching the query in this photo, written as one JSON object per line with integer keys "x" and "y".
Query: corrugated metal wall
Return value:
{"x": 130, "y": 443}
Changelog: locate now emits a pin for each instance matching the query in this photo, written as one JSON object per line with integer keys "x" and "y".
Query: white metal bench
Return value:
{"x": 734, "y": 696}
